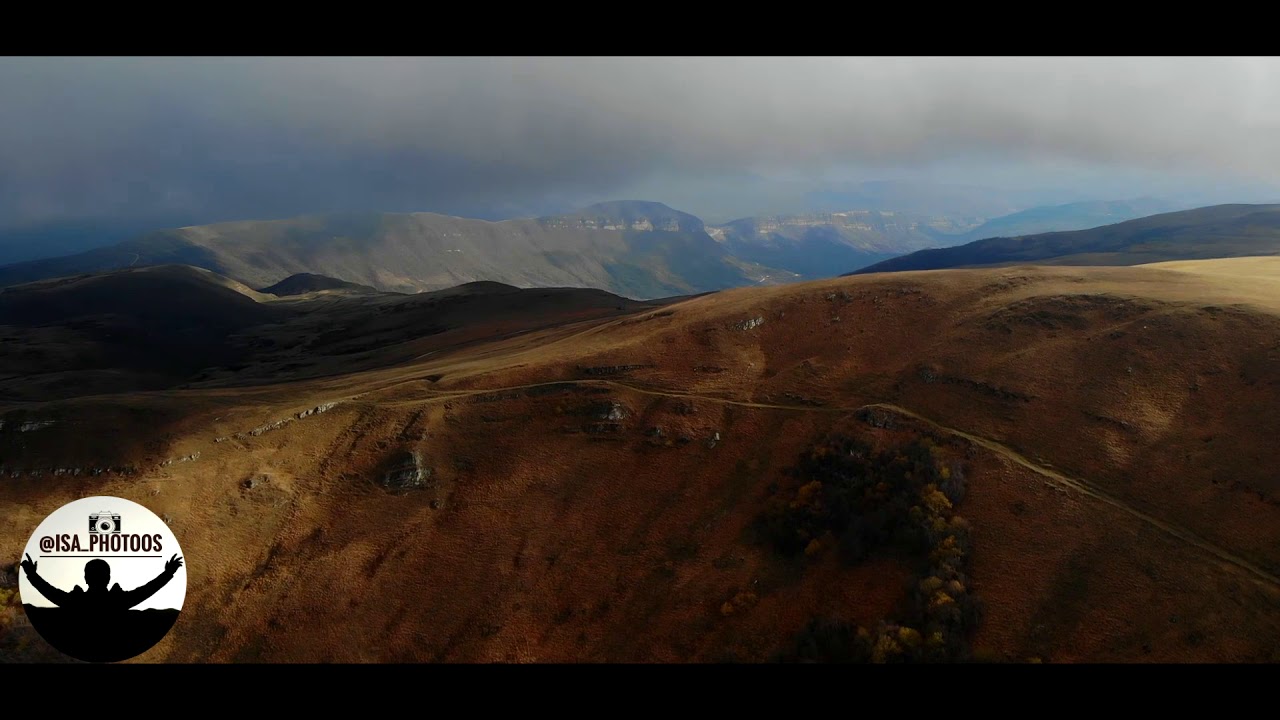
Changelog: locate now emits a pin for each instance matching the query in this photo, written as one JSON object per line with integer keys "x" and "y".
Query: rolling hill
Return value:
{"x": 1219, "y": 231}
{"x": 159, "y": 327}
{"x": 663, "y": 482}
{"x": 135, "y": 329}
{"x": 1064, "y": 218}
{"x": 303, "y": 283}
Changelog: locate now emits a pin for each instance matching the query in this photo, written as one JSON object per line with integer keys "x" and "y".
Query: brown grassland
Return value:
{"x": 588, "y": 491}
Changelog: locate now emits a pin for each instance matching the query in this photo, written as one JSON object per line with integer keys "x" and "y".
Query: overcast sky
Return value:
{"x": 270, "y": 137}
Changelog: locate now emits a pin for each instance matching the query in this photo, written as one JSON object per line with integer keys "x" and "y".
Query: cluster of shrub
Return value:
{"x": 898, "y": 501}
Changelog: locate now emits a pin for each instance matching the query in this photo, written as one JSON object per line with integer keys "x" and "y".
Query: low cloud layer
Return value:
{"x": 244, "y": 137}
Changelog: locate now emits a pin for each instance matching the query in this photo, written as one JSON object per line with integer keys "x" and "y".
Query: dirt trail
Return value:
{"x": 1082, "y": 486}
{"x": 1086, "y": 488}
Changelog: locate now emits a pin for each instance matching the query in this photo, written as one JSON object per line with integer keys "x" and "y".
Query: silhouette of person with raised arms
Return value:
{"x": 97, "y": 575}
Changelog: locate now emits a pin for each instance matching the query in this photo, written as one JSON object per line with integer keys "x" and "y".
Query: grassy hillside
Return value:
{"x": 141, "y": 328}
{"x": 157, "y": 327}
{"x": 1054, "y": 464}
{"x": 304, "y": 283}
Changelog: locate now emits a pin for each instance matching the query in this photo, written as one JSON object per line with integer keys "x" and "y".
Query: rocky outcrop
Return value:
{"x": 599, "y": 370}
{"x": 184, "y": 458}
{"x": 407, "y": 471}
{"x": 614, "y": 412}
{"x": 607, "y": 416}
{"x": 750, "y": 324}
{"x": 89, "y": 471}
{"x": 269, "y": 427}
{"x": 325, "y": 407}
{"x": 627, "y": 216}
{"x": 261, "y": 429}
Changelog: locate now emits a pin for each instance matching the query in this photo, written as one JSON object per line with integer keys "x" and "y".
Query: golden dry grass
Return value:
{"x": 1153, "y": 388}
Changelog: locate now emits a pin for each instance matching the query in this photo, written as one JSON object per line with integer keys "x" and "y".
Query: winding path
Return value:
{"x": 1082, "y": 486}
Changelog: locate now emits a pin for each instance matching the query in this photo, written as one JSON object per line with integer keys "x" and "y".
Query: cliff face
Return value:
{"x": 629, "y": 215}
{"x": 925, "y": 229}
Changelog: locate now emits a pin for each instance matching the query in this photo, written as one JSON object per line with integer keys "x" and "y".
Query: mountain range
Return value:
{"x": 631, "y": 248}
{"x": 1219, "y": 231}
{"x": 1062, "y": 218}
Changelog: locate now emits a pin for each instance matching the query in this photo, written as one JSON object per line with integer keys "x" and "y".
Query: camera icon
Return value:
{"x": 104, "y": 522}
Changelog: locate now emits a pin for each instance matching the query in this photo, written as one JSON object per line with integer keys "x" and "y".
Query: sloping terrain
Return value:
{"x": 160, "y": 327}
{"x": 137, "y": 329}
{"x": 592, "y": 491}
{"x": 1219, "y": 231}
{"x": 1064, "y": 218}
{"x": 304, "y": 283}
{"x": 815, "y": 246}
{"x": 634, "y": 249}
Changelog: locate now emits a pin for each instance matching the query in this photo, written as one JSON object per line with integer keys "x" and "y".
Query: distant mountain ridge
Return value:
{"x": 1218, "y": 231}
{"x": 819, "y": 245}
{"x": 1064, "y": 218}
{"x": 636, "y": 215}
{"x": 635, "y": 249}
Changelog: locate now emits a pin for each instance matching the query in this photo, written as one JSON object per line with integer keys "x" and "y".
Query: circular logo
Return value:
{"x": 102, "y": 579}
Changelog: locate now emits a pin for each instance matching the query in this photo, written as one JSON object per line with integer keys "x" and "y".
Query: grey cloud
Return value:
{"x": 270, "y": 136}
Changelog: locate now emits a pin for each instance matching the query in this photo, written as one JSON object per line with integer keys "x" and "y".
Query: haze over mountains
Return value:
{"x": 635, "y": 249}
{"x": 1220, "y": 231}
{"x": 639, "y": 250}
{"x": 1071, "y": 216}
